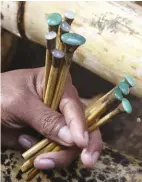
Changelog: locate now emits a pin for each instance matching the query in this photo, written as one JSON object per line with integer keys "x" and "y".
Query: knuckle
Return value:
{"x": 49, "y": 123}
{"x": 64, "y": 103}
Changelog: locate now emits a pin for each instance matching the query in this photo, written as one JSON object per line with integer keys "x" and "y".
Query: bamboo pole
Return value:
{"x": 50, "y": 45}
{"x": 113, "y": 31}
{"x": 33, "y": 150}
{"x": 57, "y": 61}
{"x": 35, "y": 171}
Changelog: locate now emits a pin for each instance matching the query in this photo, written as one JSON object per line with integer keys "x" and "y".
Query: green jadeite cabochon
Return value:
{"x": 54, "y": 19}
{"x": 118, "y": 94}
{"x": 126, "y": 105}
{"x": 124, "y": 87}
{"x": 130, "y": 80}
{"x": 73, "y": 39}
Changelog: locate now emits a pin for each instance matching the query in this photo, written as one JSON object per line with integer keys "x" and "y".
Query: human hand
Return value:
{"x": 22, "y": 106}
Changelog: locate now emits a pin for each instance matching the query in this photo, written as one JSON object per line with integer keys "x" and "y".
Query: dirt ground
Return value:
{"x": 125, "y": 132}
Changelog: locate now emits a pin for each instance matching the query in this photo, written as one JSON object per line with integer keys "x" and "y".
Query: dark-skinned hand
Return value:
{"x": 22, "y": 107}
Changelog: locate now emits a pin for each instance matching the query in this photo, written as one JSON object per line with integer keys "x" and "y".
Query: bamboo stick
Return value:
{"x": 72, "y": 42}
{"x": 103, "y": 103}
{"x": 34, "y": 171}
{"x": 53, "y": 21}
{"x": 113, "y": 31}
{"x": 50, "y": 44}
{"x": 32, "y": 174}
{"x": 69, "y": 17}
{"x": 124, "y": 107}
{"x": 64, "y": 28}
{"x": 29, "y": 163}
{"x": 95, "y": 110}
{"x": 57, "y": 61}
{"x": 33, "y": 150}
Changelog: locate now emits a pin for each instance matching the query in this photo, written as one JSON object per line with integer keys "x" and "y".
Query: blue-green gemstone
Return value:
{"x": 54, "y": 19}
{"x": 129, "y": 79}
{"x": 126, "y": 105}
{"x": 124, "y": 87}
{"x": 73, "y": 39}
{"x": 118, "y": 94}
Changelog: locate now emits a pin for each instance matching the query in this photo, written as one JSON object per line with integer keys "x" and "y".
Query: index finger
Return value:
{"x": 72, "y": 109}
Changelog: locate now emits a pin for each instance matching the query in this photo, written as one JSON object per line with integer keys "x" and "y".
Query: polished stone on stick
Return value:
{"x": 126, "y": 106}
{"x": 118, "y": 93}
{"x": 129, "y": 79}
{"x": 124, "y": 87}
{"x": 73, "y": 39}
{"x": 54, "y": 20}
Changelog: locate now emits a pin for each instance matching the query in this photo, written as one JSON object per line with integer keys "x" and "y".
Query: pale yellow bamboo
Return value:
{"x": 33, "y": 150}
{"x": 33, "y": 172}
{"x": 29, "y": 163}
{"x": 105, "y": 119}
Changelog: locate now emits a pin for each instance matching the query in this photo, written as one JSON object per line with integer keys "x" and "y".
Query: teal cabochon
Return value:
{"x": 118, "y": 93}
{"x": 126, "y": 106}
{"x": 73, "y": 39}
{"x": 129, "y": 79}
{"x": 54, "y": 19}
{"x": 124, "y": 87}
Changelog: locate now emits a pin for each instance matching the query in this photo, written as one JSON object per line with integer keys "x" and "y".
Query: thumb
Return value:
{"x": 48, "y": 122}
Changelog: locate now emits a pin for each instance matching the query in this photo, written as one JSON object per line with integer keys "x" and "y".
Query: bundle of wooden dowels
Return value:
{"x": 60, "y": 46}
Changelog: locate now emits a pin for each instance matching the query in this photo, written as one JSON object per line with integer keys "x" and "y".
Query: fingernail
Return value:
{"x": 86, "y": 138}
{"x": 95, "y": 157}
{"x": 90, "y": 158}
{"x": 64, "y": 134}
{"x": 25, "y": 141}
{"x": 44, "y": 164}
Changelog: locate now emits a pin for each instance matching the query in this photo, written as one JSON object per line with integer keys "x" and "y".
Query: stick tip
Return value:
{"x": 69, "y": 14}
{"x": 73, "y": 39}
{"x": 126, "y": 106}
{"x": 58, "y": 53}
{"x": 65, "y": 26}
{"x": 130, "y": 80}
{"x": 54, "y": 19}
{"x": 50, "y": 35}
